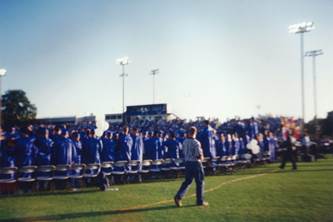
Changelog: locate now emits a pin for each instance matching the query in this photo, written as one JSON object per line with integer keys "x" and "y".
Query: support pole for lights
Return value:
{"x": 301, "y": 28}
{"x": 123, "y": 61}
{"x": 314, "y": 54}
{"x": 302, "y": 78}
{"x": 2, "y": 73}
{"x": 154, "y": 72}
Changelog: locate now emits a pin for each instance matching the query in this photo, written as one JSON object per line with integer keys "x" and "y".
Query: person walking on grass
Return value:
{"x": 193, "y": 155}
{"x": 289, "y": 151}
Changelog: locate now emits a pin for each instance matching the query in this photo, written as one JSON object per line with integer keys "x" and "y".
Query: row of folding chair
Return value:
{"x": 150, "y": 168}
{"x": 145, "y": 167}
{"x": 47, "y": 173}
{"x": 78, "y": 171}
{"x": 226, "y": 164}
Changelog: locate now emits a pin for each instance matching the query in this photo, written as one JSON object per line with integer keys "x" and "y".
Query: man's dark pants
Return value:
{"x": 288, "y": 155}
{"x": 193, "y": 170}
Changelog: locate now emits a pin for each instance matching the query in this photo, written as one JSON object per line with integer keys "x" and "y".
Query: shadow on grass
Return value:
{"x": 91, "y": 214}
{"x": 51, "y": 193}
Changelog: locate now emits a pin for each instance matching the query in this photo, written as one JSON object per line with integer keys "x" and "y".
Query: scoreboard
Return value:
{"x": 145, "y": 110}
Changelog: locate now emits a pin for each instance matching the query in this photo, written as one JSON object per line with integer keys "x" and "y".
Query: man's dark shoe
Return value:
{"x": 178, "y": 202}
{"x": 203, "y": 204}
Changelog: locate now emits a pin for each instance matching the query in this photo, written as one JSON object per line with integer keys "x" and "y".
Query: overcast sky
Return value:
{"x": 216, "y": 58}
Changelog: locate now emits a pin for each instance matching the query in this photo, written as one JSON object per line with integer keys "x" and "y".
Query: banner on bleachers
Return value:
{"x": 152, "y": 109}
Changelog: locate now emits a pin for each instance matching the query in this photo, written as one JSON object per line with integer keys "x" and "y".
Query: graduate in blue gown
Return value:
{"x": 236, "y": 144}
{"x": 229, "y": 145}
{"x": 26, "y": 156}
{"x": 221, "y": 148}
{"x": 272, "y": 146}
{"x": 109, "y": 148}
{"x": 156, "y": 150}
{"x": 92, "y": 148}
{"x": 8, "y": 151}
{"x": 125, "y": 142}
{"x": 77, "y": 148}
{"x": 261, "y": 143}
{"x": 76, "y": 158}
{"x": 44, "y": 152}
{"x": 63, "y": 149}
{"x": 254, "y": 128}
{"x": 44, "y": 147}
{"x": 138, "y": 145}
{"x": 171, "y": 147}
{"x": 180, "y": 139}
{"x": 206, "y": 137}
{"x": 107, "y": 155}
{"x": 26, "y": 149}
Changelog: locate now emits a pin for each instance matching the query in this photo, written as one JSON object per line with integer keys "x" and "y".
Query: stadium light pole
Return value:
{"x": 154, "y": 72}
{"x": 302, "y": 28}
{"x": 2, "y": 74}
{"x": 314, "y": 54}
{"x": 123, "y": 62}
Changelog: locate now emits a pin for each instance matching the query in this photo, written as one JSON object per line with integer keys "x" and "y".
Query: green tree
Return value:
{"x": 16, "y": 108}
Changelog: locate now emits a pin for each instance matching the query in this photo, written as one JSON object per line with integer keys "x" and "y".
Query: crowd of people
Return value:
{"x": 141, "y": 139}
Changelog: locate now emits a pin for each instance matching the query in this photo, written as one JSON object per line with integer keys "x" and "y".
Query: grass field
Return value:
{"x": 264, "y": 193}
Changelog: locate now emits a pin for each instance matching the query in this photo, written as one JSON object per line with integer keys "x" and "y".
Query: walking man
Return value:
{"x": 193, "y": 169}
{"x": 289, "y": 152}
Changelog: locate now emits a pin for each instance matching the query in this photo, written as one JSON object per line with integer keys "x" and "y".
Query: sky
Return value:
{"x": 220, "y": 58}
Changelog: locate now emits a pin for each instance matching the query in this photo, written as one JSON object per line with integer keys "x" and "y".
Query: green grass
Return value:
{"x": 257, "y": 194}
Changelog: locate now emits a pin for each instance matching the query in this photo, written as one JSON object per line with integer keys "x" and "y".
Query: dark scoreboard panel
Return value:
{"x": 153, "y": 109}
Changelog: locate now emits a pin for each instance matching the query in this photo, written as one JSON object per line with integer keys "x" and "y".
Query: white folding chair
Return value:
{"x": 106, "y": 168}
{"x": 146, "y": 164}
{"x": 45, "y": 173}
{"x": 7, "y": 175}
{"x": 166, "y": 165}
{"x": 91, "y": 170}
{"x": 26, "y": 174}
{"x": 7, "y": 179}
{"x": 155, "y": 166}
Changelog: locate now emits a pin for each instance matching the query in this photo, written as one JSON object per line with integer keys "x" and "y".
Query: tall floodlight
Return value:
{"x": 2, "y": 73}
{"x": 154, "y": 72}
{"x": 123, "y": 62}
{"x": 314, "y": 54}
{"x": 302, "y": 28}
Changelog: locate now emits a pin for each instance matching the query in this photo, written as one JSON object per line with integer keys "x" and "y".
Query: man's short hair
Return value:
{"x": 125, "y": 129}
{"x": 193, "y": 130}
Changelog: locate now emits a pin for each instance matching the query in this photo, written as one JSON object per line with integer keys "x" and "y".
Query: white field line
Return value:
{"x": 193, "y": 195}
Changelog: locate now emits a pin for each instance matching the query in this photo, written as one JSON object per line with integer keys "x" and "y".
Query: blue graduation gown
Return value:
{"x": 154, "y": 148}
{"x": 7, "y": 156}
{"x": 172, "y": 148}
{"x": 26, "y": 151}
{"x": 44, "y": 150}
{"x": 92, "y": 149}
{"x": 63, "y": 149}
{"x": 77, "y": 152}
{"x": 137, "y": 148}
{"x": 124, "y": 149}
{"x": 206, "y": 138}
{"x": 108, "y": 151}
